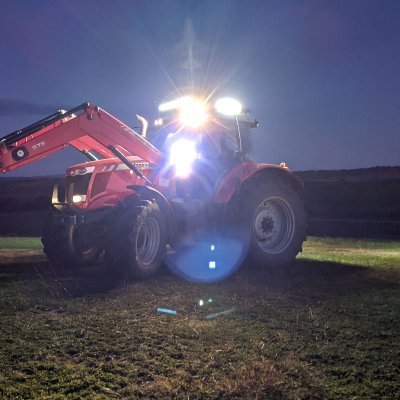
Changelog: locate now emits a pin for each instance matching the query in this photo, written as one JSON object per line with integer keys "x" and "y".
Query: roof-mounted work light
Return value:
{"x": 228, "y": 106}
{"x": 192, "y": 111}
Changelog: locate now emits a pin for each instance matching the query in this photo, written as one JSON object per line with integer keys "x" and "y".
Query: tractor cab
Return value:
{"x": 192, "y": 117}
{"x": 192, "y": 133}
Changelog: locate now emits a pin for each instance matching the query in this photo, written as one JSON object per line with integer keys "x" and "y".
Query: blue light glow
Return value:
{"x": 166, "y": 310}
{"x": 210, "y": 258}
{"x": 220, "y": 314}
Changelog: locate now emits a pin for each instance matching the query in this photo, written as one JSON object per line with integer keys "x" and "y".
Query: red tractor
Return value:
{"x": 143, "y": 193}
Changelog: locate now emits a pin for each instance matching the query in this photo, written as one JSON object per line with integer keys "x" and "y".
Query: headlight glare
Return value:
{"x": 182, "y": 155}
{"x": 193, "y": 113}
{"x": 78, "y": 198}
{"x": 228, "y": 106}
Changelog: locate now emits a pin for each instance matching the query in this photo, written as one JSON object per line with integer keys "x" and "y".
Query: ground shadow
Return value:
{"x": 302, "y": 278}
{"x": 87, "y": 281}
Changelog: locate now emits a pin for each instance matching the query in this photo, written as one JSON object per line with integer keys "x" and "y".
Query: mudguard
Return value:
{"x": 234, "y": 180}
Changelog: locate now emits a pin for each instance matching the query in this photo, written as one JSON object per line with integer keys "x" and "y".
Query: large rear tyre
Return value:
{"x": 65, "y": 248}
{"x": 277, "y": 222}
{"x": 136, "y": 241}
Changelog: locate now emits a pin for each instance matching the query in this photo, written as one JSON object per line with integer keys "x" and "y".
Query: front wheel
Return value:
{"x": 136, "y": 241}
{"x": 278, "y": 225}
{"x": 65, "y": 249}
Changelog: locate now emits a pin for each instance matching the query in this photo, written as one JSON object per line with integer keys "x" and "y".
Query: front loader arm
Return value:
{"x": 86, "y": 127}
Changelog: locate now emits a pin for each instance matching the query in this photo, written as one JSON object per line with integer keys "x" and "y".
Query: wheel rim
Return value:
{"x": 148, "y": 241}
{"x": 274, "y": 225}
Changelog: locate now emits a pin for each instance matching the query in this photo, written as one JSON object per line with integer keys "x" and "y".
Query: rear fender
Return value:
{"x": 237, "y": 179}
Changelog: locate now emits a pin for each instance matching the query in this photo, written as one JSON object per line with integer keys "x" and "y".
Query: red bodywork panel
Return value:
{"x": 232, "y": 180}
{"x": 109, "y": 180}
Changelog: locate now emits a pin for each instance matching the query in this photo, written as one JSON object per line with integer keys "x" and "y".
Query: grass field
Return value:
{"x": 326, "y": 327}
{"x": 20, "y": 243}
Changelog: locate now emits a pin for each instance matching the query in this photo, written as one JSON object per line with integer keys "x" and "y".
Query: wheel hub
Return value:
{"x": 267, "y": 225}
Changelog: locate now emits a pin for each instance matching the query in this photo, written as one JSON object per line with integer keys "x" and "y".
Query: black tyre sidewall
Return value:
{"x": 55, "y": 245}
{"x": 56, "y": 239}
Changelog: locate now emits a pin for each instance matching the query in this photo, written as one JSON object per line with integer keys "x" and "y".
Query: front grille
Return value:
{"x": 77, "y": 184}
{"x": 100, "y": 183}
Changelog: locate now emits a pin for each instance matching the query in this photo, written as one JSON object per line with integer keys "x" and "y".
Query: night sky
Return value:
{"x": 322, "y": 77}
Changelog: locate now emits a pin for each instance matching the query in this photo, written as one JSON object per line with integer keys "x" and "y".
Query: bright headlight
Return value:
{"x": 173, "y": 104}
{"x": 78, "y": 198}
{"x": 228, "y": 106}
{"x": 192, "y": 111}
{"x": 182, "y": 155}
